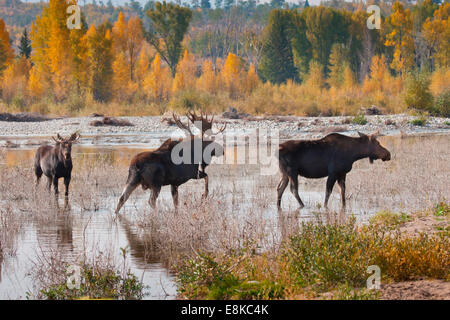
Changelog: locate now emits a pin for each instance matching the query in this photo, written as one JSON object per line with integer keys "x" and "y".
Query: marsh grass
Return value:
{"x": 320, "y": 258}
{"x": 234, "y": 244}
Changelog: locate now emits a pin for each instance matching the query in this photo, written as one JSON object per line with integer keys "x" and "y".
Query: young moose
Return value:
{"x": 55, "y": 162}
{"x": 154, "y": 169}
{"x": 331, "y": 156}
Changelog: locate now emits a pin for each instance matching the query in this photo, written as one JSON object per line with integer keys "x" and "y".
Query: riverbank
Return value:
{"x": 289, "y": 127}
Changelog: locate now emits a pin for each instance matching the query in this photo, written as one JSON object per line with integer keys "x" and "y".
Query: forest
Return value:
{"x": 260, "y": 58}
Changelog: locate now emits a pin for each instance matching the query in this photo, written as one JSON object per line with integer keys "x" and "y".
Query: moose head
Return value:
{"x": 374, "y": 149}
{"x": 65, "y": 144}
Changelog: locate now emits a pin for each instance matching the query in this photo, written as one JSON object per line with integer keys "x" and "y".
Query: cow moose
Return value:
{"x": 55, "y": 162}
{"x": 154, "y": 169}
{"x": 332, "y": 156}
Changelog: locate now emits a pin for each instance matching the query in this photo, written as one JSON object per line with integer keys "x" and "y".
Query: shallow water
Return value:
{"x": 73, "y": 232}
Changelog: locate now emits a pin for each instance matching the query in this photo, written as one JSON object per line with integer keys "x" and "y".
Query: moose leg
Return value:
{"x": 330, "y": 184}
{"x": 294, "y": 189}
{"x": 38, "y": 172}
{"x": 55, "y": 185}
{"x": 154, "y": 195}
{"x": 66, "y": 184}
{"x": 341, "y": 182}
{"x": 280, "y": 189}
{"x": 125, "y": 195}
{"x": 49, "y": 183}
{"x": 205, "y": 193}
{"x": 174, "y": 190}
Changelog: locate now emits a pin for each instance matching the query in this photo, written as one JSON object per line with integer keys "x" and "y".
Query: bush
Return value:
{"x": 418, "y": 95}
{"x": 320, "y": 258}
{"x": 442, "y": 104}
{"x": 421, "y": 121}
{"x": 104, "y": 283}
{"x": 361, "y": 120}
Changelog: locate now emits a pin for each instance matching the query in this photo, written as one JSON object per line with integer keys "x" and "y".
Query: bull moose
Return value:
{"x": 332, "y": 156}
{"x": 154, "y": 169}
{"x": 55, "y": 162}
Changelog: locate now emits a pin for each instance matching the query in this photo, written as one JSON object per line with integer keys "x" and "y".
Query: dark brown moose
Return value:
{"x": 55, "y": 162}
{"x": 154, "y": 169}
{"x": 332, "y": 156}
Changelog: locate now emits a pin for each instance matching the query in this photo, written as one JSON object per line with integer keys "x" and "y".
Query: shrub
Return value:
{"x": 442, "y": 104}
{"x": 388, "y": 218}
{"x": 421, "y": 121}
{"x": 360, "y": 119}
{"x": 418, "y": 95}
{"x": 98, "y": 283}
{"x": 442, "y": 209}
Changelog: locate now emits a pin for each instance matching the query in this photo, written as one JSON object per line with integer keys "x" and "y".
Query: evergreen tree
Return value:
{"x": 25, "y": 45}
{"x": 277, "y": 61}
{"x": 205, "y": 4}
{"x": 218, "y": 4}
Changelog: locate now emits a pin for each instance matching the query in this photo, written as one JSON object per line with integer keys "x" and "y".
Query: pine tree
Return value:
{"x": 277, "y": 61}
{"x": 25, "y": 45}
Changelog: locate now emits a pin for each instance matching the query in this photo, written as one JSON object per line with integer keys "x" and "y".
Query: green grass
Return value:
{"x": 389, "y": 218}
{"x": 360, "y": 119}
{"x": 98, "y": 283}
{"x": 419, "y": 122}
{"x": 442, "y": 209}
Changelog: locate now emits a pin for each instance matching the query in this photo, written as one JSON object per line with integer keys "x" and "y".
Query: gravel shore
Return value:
{"x": 145, "y": 129}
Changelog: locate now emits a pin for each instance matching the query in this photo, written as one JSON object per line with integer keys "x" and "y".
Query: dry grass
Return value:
{"x": 238, "y": 215}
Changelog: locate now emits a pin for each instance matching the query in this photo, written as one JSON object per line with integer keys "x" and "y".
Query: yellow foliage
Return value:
{"x": 158, "y": 82}
{"x": 436, "y": 32}
{"x": 185, "y": 77}
{"x": 401, "y": 38}
{"x": 208, "y": 80}
{"x": 440, "y": 81}
{"x": 15, "y": 78}
{"x": 251, "y": 80}
{"x": 231, "y": 76}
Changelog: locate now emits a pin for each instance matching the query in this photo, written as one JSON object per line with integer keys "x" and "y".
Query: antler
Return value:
{"x": 58, "y": 138}
{"x": 74, "y": 136}
{"x": 206, "y": 124}
{"x": 180, "y": 124}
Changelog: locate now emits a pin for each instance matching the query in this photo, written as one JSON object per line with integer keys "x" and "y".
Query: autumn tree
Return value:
{"x": 437, "y": 34}
{"x": 230, "y": 74}
{"x": 127, "y": 40}
{"x": 169, "y": 24}
{"x": 99, "y": 48}
{"x": 208, "y": 79}
{"x": 186, "y": 73}
{"x": 400, "y": 37}
{"x": 158, "y": 81}
{"x": 6, "y": 51}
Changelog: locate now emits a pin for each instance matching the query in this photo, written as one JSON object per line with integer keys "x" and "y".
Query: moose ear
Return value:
{"x": 362, "y": 135}
{"x": 58, "y": 137}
